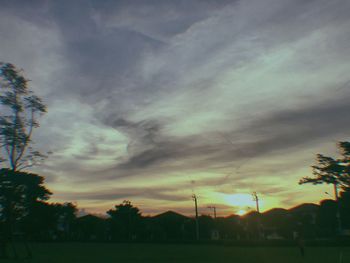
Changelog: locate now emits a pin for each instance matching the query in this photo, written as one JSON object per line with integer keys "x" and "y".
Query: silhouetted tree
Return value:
{"x": 19, "y": 191}
{"x": 332, "y": 171}
{"x": 125, "y": 220}
{"x": 41, "y": 222}
{"x": 20, "y": 109}
{"x": 66, "y": 214}
{"x": 50, "y": 221}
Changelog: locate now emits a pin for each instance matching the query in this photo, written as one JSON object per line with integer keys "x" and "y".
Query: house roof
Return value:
{"x": 170, "y": 214}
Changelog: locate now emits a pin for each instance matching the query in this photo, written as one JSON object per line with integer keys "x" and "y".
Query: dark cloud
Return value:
{"x": 147, "y": 158}
{"x": 145, "y": 132}
{"x": 285, "y": 131}
{"x": 157, "y": 193}
{"x": 152, "y": 152}
{"x": 302, "y": 126}
{"x": 139, "y": 69}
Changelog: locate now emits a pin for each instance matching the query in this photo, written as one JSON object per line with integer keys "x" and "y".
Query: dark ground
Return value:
{"x": 156, "y": 253}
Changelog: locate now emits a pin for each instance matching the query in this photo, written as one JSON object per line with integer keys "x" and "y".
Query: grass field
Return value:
{"x": 125, "y": 253}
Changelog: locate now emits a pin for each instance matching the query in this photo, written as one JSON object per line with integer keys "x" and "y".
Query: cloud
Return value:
{"x": 281, "y": 131}
{"x": 219, "y": 92}
{"x": 161, "y": 193}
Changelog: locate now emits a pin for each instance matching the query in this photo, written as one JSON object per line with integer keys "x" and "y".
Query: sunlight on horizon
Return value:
{"x": 240, "y": 200}
{"x": 241, "y": 212}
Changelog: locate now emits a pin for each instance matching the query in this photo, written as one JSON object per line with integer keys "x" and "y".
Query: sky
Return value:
{"x": 155, "y": 100}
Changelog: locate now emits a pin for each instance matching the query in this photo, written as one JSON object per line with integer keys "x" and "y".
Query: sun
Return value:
{"x": 241, "y": 212}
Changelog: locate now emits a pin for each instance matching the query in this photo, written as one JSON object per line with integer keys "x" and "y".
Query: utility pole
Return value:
{"x": 256, "y": 199}
{"x": 194, "y": 197}
{"x": 214, "y": 210}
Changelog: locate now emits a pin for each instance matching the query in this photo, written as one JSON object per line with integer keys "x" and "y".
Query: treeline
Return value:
{"x": 26, "y": 213}
{"x": 309, "y": 221}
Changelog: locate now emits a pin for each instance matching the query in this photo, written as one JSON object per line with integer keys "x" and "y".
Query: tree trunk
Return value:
{"x": 335, "y": 185}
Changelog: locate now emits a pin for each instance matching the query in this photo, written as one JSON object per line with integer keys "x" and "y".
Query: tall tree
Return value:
{"x": 330, "y": 170}
{"x": 125, "y": 220}
{"x": 20, "y": 109}
{"x": 19, "y": 191}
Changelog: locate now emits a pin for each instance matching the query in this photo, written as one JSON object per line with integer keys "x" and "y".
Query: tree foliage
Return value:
{"x": 331, "y": 170}
{"x": 125, "y": 220}
{"x": 20, "y": 109}
{"x": 19, "y": 191}
{"x": 124, "y": 210}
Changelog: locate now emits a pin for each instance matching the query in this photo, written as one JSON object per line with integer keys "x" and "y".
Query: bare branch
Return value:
{"x": 17, "y": 126}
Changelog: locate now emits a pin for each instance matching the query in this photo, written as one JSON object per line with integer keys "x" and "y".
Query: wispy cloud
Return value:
{"x": 159, "y": 93}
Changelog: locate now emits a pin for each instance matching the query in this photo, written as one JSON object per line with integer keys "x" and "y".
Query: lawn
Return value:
{"x": 125, "y": 253}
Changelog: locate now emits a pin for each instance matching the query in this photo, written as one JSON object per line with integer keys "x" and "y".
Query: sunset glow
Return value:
{"x": 240, "y": 200}
{"x": 241, "y": 212}
{"x": 153, "y": 103}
